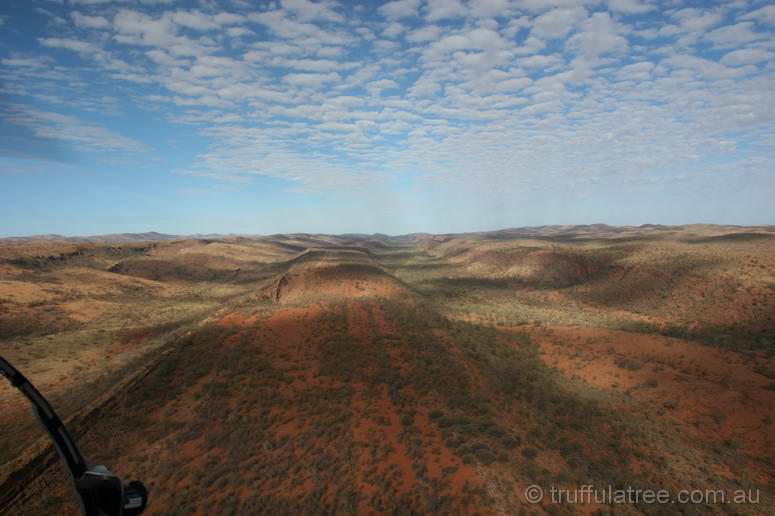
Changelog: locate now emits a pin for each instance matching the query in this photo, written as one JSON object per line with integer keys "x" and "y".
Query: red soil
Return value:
{"x": 710, "y": 393}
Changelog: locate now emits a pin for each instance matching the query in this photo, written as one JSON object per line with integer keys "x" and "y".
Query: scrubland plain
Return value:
{"x": 303, "y": 374}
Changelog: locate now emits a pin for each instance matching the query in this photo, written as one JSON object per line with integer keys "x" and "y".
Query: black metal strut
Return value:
{"x": 100, "y": 492}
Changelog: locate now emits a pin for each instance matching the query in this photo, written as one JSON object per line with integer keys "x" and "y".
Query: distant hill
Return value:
{"x": 550, "y": 231}
{"x": 122, "y": 238}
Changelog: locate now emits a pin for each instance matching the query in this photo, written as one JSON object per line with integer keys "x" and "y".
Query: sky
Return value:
{"x": 394, "y": 117}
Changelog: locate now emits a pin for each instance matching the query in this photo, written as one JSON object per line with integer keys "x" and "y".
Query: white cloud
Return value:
{"x": 425, "y": 87}
{"x": 557, "y": 23}
{"x": 486, "y": 39}
{"x": 311, "y": 79}
{"x": 140, "y": 29}
{"x": 84, "y": 135}
{"x": 423, "y": 34}
{"x": 194, "y": 20}
{"x": 641, "y": 71}
{"x": 513, "y": 85}
{"x": 27, "y": 62}
{"x": 491, "y": 8}
{"x": 314, "y": 65}
{"x": 224, "y": 19}
{"x": 283, "y": 27}
{"x": 704, "y": 67}
{"x": 630, "y": 6}
{"x": 306, "y": 10}
{"x": 90, "y": 22}
{"x": 238, "y": 32}
{"x": 279, "y": 48}
{"x": 82, "y": 47}
{"x": 386, "y": 47}
{"x": 400, "y": 9}
{"x": 691, "y": 20}
{"x": 539, "y": 61}
{"x": 161, "y": 58}
{"x": 733, "y": 35}
{"x": 393, "y": 29}
{"x": 445, "y": 91}
{"x": 376, "y": 87}
{"x": 746, "y": 56}
{"x": 444, "y": 9}
{"x": 764, "y": 15}
{"x": 480, "y": 38}
{"x": 599, "y": 35}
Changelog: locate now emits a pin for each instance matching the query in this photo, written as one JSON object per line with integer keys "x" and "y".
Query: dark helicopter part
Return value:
{"x": 101, "y": 493}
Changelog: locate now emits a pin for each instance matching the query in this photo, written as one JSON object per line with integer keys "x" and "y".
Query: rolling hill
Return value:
{"x": 302, "y": 374}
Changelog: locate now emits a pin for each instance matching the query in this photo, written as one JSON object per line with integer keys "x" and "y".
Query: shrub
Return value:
{"x": 764, "y": 372}
{"x": 485, "y": 456}
{"x": 444, "y": 422}
{"x": 628, "y": 363}
{"x": 529, "y": 453}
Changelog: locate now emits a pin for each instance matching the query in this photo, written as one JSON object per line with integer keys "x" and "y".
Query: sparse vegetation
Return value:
{"x": 398, "y": 377}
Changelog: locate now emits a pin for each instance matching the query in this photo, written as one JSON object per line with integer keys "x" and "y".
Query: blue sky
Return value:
{"x": 411, "y": 115}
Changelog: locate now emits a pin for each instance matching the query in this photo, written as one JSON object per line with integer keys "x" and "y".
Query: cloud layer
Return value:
{"x": 493, "y": 96}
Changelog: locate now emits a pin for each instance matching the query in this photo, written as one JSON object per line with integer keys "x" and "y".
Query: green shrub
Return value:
{"x": 485, "y": 456}
{"x": 529, "y": 453}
